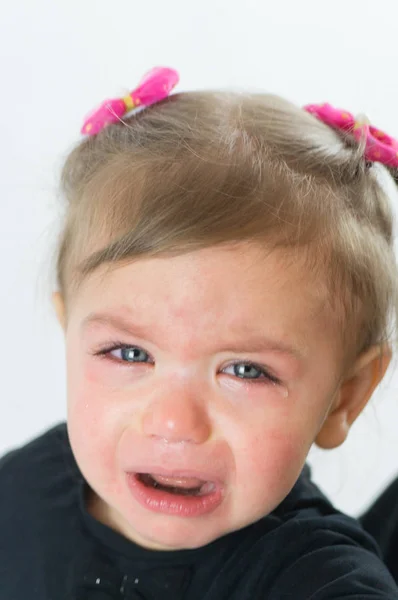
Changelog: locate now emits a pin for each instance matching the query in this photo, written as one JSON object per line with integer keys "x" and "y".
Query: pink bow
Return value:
{"x": 153, "y": 87}
{"x": 380, "y": 147}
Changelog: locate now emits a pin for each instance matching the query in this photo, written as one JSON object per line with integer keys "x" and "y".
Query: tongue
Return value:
{"x": 181, "y": 482}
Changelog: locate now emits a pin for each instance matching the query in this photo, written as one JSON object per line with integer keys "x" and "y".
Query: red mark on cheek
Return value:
{"x": 277, "y": 456}
{"x": 93, "y": 372}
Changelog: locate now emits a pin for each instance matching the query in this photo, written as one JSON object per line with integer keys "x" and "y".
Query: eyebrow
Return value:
{"x": 253, "y": 342}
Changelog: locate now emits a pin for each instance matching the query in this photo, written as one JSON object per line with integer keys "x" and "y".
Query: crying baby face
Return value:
{"x": 196, "y": 387}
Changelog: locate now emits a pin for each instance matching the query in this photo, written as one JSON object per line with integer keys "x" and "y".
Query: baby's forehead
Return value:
{"x": 246, "y": 271}
{"x": 216, "y": 292}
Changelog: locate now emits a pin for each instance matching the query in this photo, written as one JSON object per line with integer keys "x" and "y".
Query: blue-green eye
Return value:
{"x": 133, "y": 354}
{"x": 128, "y": 353}
{"x": 247, "y": 371}
{"x": 250, "y": 371}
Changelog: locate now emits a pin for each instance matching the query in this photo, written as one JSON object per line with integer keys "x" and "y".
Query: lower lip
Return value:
{"x": 160, "y": 501}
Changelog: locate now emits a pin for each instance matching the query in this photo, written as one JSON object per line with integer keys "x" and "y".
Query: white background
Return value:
{"x": 58, "y": 60}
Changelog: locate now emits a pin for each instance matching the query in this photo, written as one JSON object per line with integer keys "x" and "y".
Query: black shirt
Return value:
{"x": 52, "y": 549}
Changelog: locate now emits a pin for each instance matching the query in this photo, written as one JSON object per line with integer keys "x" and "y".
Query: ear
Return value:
{"x": 59, "y": 307}
{"x": 353, "y": 395}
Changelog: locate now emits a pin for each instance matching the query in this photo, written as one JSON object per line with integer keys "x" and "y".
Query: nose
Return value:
{"x": 177, "y": 416}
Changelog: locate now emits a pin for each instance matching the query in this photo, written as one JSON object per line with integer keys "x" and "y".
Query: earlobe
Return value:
{"x": 59, "y": 307}
{"x": 353, "y": 395}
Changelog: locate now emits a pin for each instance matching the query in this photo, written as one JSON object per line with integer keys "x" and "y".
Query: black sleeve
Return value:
{"x": 335, "y": 566}
{"x": 5, "y": 458}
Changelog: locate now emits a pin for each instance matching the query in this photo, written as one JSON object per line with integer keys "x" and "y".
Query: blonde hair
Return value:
{"x": 201, "y": 169}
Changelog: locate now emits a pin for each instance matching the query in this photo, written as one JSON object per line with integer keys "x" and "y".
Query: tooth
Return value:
{"x": 208, "y": 488}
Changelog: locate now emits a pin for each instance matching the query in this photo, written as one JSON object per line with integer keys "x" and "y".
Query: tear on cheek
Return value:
{"x": 282, "y": 390}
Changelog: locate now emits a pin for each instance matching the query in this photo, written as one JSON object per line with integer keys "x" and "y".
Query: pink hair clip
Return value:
{"x": 153, "y": 87}
{"x": 380, "y": 147}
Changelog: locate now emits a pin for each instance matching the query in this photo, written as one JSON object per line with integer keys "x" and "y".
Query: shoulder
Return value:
{"x": 35, "y": 449}
{"x": 307, "y": 555}
{"x": 323, "y": 553}
{"x": 306, "y": 548}
{"x": 334, "y": 558}
{"x": 29, "y": 473}
{"x": 39, "y": 517}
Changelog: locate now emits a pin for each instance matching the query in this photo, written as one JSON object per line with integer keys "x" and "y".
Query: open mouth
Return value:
{"x": 175, "y": 494}
{"x": 178, "y": 486}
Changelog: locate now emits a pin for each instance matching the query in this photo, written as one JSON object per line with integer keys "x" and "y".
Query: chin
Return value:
{"x": 170, "y": 535}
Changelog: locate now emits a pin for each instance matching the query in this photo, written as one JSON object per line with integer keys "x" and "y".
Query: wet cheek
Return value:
{"x": 94, "y": 448}
{"x": 87, "y": 394}
{"x": 89, "y": 421}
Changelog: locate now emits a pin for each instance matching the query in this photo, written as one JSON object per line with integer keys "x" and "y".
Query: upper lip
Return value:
{"x": 178, "y": 473}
